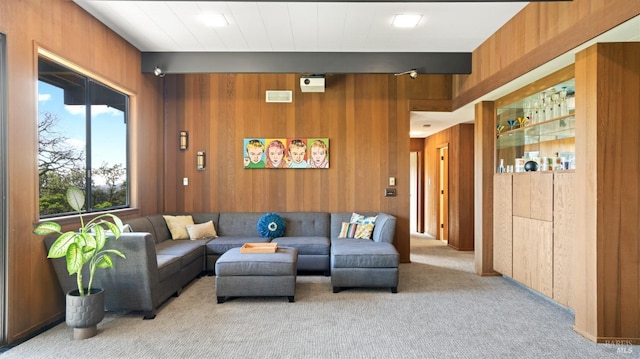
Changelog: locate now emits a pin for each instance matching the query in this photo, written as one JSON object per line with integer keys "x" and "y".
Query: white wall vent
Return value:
{"x": 280, "y": 96}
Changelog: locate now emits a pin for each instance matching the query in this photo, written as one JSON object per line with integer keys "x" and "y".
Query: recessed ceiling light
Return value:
{"x": 213, "y": 20}
{"x": 406, "y": 20}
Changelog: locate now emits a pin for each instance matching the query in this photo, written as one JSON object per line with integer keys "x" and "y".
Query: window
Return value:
{"x": 82, "y": 140}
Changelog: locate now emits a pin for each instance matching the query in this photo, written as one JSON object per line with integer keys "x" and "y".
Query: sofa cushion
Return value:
{"x": 168, "y": 265}
{"x": 281, "y": 263}
{"x": 178, "y": 225}
{"x": 187, "y": 251}
{"x": 359, "y": 253}
{"x": 200, "y": 217}
{"x": 362, "y": 219}
{"x": 222, "y": 244}
{"x": 142, "y": 225}
{"x": 202, "y": 230}
{"x": 306, "y": 245}
{"x": 160, "y": 227}
{"x": 307, "y": 224}
{"x": 356, "y": 230}
{"x": 238, "y": 224}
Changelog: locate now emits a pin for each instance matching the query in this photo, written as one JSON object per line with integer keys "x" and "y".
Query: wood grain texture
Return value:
{"x": 522, "y": 195}
{"x": 533, "y": 254}
{"x": 484, "y": 170}
{"x": 541, "y": 196}
{"x": 515, "y": 49}
{"x": 607, "y": 192}
{"x": 33, "y": 295}
{"x": 503, "y": 224}
{"x": 460, "y": 143}
{"x": 358, "y": 113}
{"x": 564, "y": 233}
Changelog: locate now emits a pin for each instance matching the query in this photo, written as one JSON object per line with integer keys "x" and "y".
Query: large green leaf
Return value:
{"x": 47, "y": 228}
{"x": 74, "y": 259}
{"x": 60, "y": 247}
{"x": 115, "y": 251}
{"x": 113, "y": 228}
{"x": 75, "y": 197}
{"x": 89, "y": 246}
{"x": 101, "y": 237}
{"x": 104, "y": 261}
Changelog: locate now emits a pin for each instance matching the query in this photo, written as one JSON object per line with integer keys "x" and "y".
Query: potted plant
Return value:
{"x": 85, "y": 305}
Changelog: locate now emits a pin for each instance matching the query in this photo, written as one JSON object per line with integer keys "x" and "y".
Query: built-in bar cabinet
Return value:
{"x": 533, "y": 210}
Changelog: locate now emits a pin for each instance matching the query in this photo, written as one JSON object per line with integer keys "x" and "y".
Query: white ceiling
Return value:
{"x": 160, "y": 26}
{"x": 318, "y": 26}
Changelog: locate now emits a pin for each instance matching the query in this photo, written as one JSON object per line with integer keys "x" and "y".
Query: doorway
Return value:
{"x": 443, "y": 192}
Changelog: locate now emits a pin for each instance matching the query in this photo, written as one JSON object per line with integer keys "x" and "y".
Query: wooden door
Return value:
{"x": 444, "y": 194}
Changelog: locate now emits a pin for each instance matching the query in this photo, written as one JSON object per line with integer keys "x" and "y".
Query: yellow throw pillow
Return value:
{"x": 202, "y": 230}
{"x": 364, "y": 231}
{"x": 178, "y": 226}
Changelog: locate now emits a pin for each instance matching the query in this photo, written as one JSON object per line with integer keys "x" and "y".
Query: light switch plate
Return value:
{"x": 392, "y": 181}
{"x": 185, "y": 181}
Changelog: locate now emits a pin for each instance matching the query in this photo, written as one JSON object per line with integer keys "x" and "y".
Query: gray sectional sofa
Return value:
{"x": 158, "y": 267}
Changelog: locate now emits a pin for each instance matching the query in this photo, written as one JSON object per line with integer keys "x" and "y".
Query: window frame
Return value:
{"x": 92, "y": 79}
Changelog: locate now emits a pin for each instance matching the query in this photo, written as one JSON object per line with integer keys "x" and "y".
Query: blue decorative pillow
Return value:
{"x": 271, "y": 226}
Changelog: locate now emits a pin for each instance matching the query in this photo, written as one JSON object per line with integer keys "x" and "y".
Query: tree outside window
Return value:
{"x": 82, "y": 140}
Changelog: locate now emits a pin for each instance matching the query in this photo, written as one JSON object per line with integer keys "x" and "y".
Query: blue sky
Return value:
{"x": 109, "y": 137}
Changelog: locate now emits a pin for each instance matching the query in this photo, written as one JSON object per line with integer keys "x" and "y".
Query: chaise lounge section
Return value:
{"x": 364, "y": 263}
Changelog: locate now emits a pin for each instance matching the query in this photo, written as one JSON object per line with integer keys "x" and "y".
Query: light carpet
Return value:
{"x": 442, "y": 310}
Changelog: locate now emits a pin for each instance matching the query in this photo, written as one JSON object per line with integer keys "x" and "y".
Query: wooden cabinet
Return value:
{"x": 533, "y": 230}
{"x": 503, "y": 224}
{"x": 533, "y": 211}
{"x": 533, "y": 254}
{"x": 564, "y": 232}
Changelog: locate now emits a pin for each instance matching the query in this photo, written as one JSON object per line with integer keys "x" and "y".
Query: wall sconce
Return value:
{"x": 200, "y": 160}
{"x": 184, "y": 140}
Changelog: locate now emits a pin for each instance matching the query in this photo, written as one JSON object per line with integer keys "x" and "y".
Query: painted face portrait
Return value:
{"x": 318, "y": 155}
{"x": 297, "y": 154}
{"x": 276, "y": 155}
{"x": 255, "y": 154}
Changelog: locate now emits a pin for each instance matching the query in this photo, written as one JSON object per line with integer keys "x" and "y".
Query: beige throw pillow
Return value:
{"x": 178, "y": 226}
{"x": 202, "y": 230}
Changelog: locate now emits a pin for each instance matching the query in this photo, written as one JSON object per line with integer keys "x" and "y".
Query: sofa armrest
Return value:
{"x": 385, "y": 228}
{"x": 132, "y": 283}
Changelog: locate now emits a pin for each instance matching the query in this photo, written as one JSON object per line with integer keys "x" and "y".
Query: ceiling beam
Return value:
{"x": 308, "y": 62}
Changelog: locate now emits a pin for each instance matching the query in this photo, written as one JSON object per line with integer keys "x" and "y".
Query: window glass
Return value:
{"x": 82, "y": 140}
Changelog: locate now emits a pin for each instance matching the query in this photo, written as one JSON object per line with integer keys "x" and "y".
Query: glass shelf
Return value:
{"x": 554, "y": 129}
{"x": 539, "y": 126}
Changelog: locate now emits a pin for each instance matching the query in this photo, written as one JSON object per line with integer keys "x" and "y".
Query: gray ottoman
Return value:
{"x": 257, "y": 274}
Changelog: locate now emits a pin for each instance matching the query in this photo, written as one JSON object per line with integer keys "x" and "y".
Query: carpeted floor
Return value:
{"x": 442, "y": 310}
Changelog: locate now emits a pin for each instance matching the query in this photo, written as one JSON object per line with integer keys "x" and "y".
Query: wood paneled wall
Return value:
{"x": 459, "y": 140}
{"x": 607, "y": 245}
{"x": 367, "y": 127}
{"x": 538, "y": 34}
{"x": 61, "y": 27}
